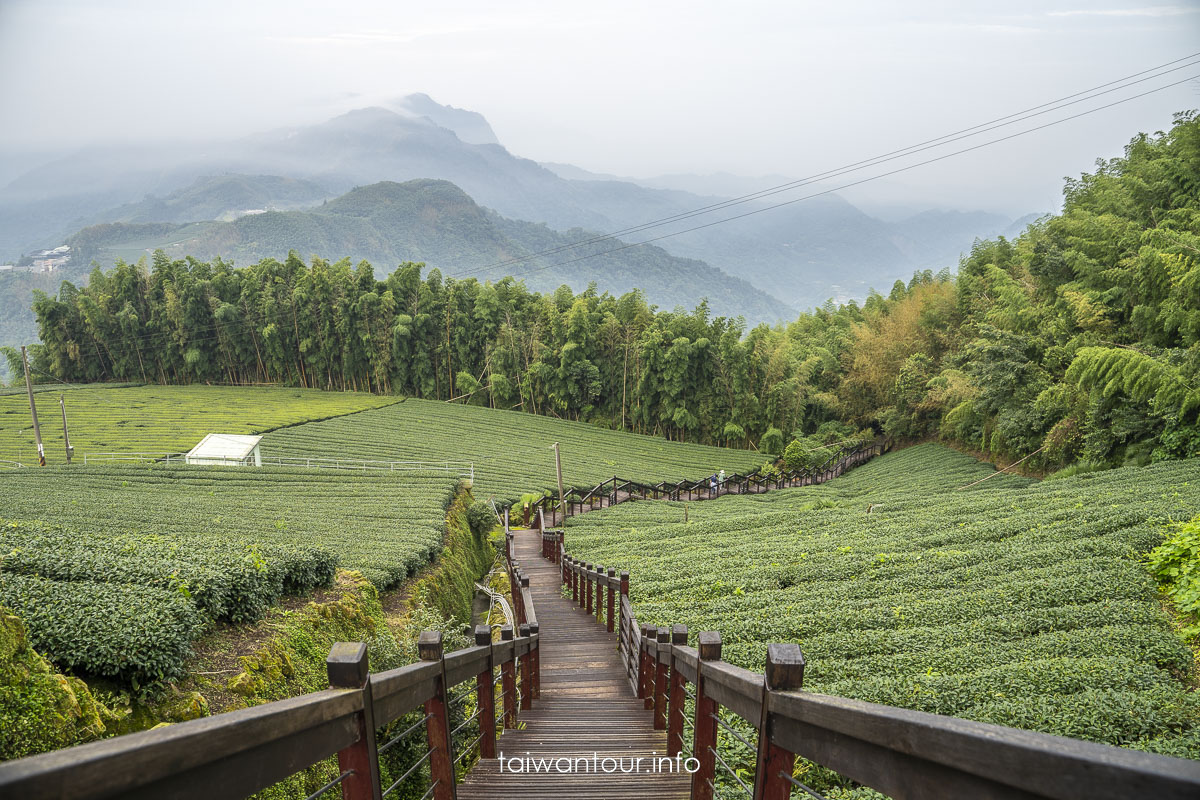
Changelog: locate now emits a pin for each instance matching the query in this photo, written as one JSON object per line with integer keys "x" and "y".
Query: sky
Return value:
{"x": 628, "y": 88}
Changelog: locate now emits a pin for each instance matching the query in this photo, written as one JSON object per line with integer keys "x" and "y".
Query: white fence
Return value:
{"x": 461, "y": 469}
{"x": 10, "y": 464}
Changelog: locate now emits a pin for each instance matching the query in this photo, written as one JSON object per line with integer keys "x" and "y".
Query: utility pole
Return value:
{"x": 37, "y": 431}
{"x": 62, "y": 403}
{"x": 562, "y": 498}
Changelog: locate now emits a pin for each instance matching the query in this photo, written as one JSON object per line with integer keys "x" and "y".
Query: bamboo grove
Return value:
{"x": 1076, "y": 341}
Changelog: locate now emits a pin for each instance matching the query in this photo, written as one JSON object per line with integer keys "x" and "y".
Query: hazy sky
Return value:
{"x": 633, "y": 88}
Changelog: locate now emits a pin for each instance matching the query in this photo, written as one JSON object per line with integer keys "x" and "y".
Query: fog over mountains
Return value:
{"x": 316, "y": 182}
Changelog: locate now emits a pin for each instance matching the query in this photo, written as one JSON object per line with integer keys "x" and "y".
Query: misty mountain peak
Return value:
{"x": 470, "y": 126}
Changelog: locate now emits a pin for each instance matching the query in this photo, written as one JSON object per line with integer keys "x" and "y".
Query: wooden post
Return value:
{"x": 612, "y": 575}
{"x": 562, "y": 498}
{"x": 704, "y": 743}
{"x": 646, "y": 668}
{"x": 661, "y": 672}
{"x": 785, "y": 672}
{"x": 437, "y": 726}
{"x": 587, "y": 588}
{"x": 574, "y": 580}
{"x": 485, "y": 697}
{"x": 599, "y": 573}
{"x": 37, "y": 431}
{"x": 678, "y": 696}
{"x": 535, "y": 656}
{"x": 624, "y": 591}
{"x": 508, "y": 682}
{"x": 526, "y": 674}
{"x": 347, "y": 669}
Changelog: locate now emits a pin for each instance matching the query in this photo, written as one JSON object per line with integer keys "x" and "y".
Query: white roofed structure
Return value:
{"x": 229, "y": 449}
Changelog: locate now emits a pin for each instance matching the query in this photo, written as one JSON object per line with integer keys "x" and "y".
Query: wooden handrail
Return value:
{"x": 241, "y": 752}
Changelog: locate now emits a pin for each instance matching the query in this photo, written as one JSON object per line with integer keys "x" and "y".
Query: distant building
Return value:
{"x": 50, "y": 260}
{"x": 227, "y": 449}
{"x": 6, "y": 267}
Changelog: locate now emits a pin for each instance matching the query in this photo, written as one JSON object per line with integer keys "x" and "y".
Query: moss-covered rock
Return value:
{"x": 41, "y": 709}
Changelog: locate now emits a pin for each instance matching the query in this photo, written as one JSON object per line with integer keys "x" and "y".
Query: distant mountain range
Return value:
{"x": 248, "y": 195}
{"x": 424, "y": 220}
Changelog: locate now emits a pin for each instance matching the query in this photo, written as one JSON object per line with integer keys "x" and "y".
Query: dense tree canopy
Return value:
{"x": 1078, "y": 340}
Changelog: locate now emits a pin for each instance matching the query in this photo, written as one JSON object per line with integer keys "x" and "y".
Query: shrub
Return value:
{"x": 1176, "y": 564}
{"x": 481, "y": 518}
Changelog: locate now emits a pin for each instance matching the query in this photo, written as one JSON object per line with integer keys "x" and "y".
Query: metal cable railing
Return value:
{"x": 330, "y": 785}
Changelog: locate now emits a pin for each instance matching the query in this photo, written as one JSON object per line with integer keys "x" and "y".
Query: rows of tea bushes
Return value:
{"x": 1011, "y": 601}
{"x": 161, "y": 419}
{"x": 204, "y": 543}
{"x": 511, "y": 450}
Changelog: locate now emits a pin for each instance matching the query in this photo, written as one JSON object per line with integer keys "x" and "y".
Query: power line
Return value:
{"x": 858, "y": 182}
{"x": 928, "y": 144}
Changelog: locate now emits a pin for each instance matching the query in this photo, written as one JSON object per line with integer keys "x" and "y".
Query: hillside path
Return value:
{"x": 587, "y": 710}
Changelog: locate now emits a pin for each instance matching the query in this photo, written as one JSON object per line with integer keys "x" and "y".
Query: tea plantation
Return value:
{"x": 510, "y": 449}
{"x": 115, "y": 570}
{"x": 1012, "y": 602}
{"x": 160, "y": 419}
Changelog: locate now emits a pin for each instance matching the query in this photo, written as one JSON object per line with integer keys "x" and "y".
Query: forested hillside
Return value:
{"x": 1078, "y": 340}
{"x": 435, "y": 223}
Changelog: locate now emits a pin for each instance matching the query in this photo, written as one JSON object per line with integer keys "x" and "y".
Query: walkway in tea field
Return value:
{"x": 586, "y": 707}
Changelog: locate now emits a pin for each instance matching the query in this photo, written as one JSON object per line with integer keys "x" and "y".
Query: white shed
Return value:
{"x": 229, "y": 449}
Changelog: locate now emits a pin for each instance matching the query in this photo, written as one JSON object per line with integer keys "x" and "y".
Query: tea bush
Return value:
{"x": 1007, "y": 601}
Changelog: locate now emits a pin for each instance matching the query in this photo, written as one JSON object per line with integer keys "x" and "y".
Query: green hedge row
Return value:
{"x": 135, "y": 634}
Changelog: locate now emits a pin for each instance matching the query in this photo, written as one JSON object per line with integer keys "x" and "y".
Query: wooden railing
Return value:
{"x": 241, "y": 752}
{"x": 902, "y": 753}
{"x": 616, "y": 489}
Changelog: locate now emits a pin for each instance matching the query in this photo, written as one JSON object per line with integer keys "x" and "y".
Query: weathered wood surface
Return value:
{"x": 585, "y": 708}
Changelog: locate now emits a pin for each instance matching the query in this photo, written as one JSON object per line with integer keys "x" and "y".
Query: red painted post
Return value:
{"x": 485, "y": 696}
{"x": 508, "y": 682}
{"x": 625, "y": 587}
{"x": 641, "y": 655}
{"x": 675, "y": 711}
{"x": 347, "y": 669}
{"x": 437, "y": 726}
{"x": 535, "y": 657}
{"x": 785, "y": 672}
{"x": 661, "y": 671}
{"x": 587, "y": 578}
{"x": 612, "y": 592}
{"x": 574, "y": 580}
{"x": 649, "y": 638}
{"x": 526, "y": 675}
{"x": 599, "y": 574}
{"x": 704, "y": 743}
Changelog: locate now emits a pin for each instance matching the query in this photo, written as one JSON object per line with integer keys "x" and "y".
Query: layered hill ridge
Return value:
{"x": 434, "y": 222}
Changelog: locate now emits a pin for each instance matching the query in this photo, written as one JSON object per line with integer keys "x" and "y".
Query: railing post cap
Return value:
{"x": 524, "y": 628}
{"x": 483, "y": 634}
{"x": 710, "y": 646}
{"x": 612, "y": 571}
{"x": 506, "y": 633}
{"x": 664, "y": 635}
{"x": 429, "y": 645}
{"x": 524, "y": 581}
{"x": 785, "y": 667}
{"x": 679, "y": 634}
{"x": 347, "y": 665}
{"x": 624, "y": 575}
{"x": 534, "y": 627}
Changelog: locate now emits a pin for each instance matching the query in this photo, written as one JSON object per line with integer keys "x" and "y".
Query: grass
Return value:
{"x": 162, "y": 419}
{"x": 1012, "y": 602}
{"x": 511, "y": 450}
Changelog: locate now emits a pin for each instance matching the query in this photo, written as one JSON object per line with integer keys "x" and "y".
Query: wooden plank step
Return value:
{"x": 586, "y": 708}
